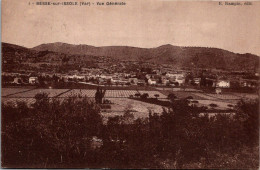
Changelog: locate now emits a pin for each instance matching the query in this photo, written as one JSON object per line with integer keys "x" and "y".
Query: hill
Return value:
{"x": 179, "y": 56}
{"x": 200, "y": 57}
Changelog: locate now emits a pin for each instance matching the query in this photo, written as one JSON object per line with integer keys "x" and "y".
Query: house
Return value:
{"x": 175, "y": 75}
{"x": 151, "y": 81}
{"x": 106, "y": 76}
{"x": 164, "y": 80}
{"x": 76, "y": 77}
{"x": 33, "y": 80}
{"x": 249, "y": 83}
{"x": 180, "y": 81}
{"x": 17, "y": 80}
{"x": 133, "y": 80}
{"x": 197, "y": 81}
{"x": 223, "y": 84}
{"x": 80, "y": 77}
{"x": 148, "y": 76}
{"x": 115, "y": 79}
{"x": 141, "y": 83}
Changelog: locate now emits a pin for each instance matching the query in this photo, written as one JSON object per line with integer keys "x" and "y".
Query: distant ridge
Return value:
{"x": 201, "y": 57}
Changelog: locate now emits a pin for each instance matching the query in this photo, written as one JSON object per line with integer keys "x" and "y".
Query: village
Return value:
{"x": 128, "y": 75}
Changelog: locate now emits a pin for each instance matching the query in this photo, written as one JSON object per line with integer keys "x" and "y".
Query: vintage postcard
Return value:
{"x": 147, "y": 84}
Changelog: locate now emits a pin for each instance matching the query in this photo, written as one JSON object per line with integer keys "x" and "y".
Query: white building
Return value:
{"x": 17, "y": 80}
{"x": 175, "y": 75}
{"x": 223, "y": 83}
{"x": 133, "y": 80}
{"x": 33, "y": 80}
{"x": 180, "y": 80}
{"x": 197, "y": 80}
{"x": 151, "y": 81}
{"x": 218, "y": 91}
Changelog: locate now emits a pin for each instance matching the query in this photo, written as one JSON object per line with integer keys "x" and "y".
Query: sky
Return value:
{"x": 140, "y": 23}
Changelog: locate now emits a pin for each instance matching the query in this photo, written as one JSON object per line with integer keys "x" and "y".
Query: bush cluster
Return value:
{"x": 56, "y": 134}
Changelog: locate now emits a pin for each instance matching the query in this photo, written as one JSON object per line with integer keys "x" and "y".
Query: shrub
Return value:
{"x": 172, "y": 96}
{"x": 144, "y": 96}
{"x": 55, "y": 134}
{"x": 137, "y": 94}
{"x": 213, "y": 105}
{"x": 230, "y": 105}
{"x": 105, "y": 106}
{"x": 60, "y": 134}
{"x": 189, "y": 97}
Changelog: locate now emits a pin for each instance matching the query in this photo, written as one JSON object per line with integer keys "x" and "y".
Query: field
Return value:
{"x": 222, "y": 105}
{"x": 184, "y": 94}
{"x": 78, "y": 92}
{"x": 139, "y": 109}
{"x": 32, "y": 93}
{"x": 8, "y": 91}
{"x": 121, "y": 101}
{"x": 246, "y": 95}
{"x": 176, "y": 89}
{"x": 108, "y": 94}
{"x": 27, "y": 95}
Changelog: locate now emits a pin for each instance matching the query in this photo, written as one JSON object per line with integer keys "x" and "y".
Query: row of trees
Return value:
{"x": 54, "y": 133}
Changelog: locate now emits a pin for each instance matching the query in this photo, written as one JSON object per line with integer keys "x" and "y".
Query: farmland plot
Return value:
{"x": 178, "y": 89}
{"x": 220, "y": 104}
{"x": 204, "y": 96}
{"x": 13, "y": 101}
{"x": 224, "y": 96}
{"x": 32, "y": 93}
{"x": 9, "y": 91}
{"x": 246, "y": 95}
{"x": 108, "y": 94}
{"x": 141, "y": 109}
{"x": 119, "y": 93}
{"x": 79, "y": 92}
{"x": 182, "y": 95}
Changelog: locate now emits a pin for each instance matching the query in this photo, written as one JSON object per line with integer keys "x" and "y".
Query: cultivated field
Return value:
{"x": 108, "y": 94}
{"x": 79, "y": 92}
{"x": 121, "y": 101}
{"x": 138, "y": 108}
{"x": 222, "y": 105}
{"x": 224, "y": 96}
{"x": 184, "y": 94}
{"x": 246, "y": 95}
{"x": 119, "y": 93}
{"x": 33, "y": 92}
{"x": 177, "y": 89}
{"x": 8, "y": 91}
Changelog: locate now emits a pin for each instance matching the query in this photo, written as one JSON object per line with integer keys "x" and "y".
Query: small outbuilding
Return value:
{"x": 218, "y": 91}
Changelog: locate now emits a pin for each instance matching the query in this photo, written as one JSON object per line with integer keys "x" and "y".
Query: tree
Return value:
{"x": 248, "y": 115}
{"x": 137, "y": 94}
{"x": 189, "y": 97}
{"x": 171, "y": 97}
{"x": 213, "y": 105}
{"x": 99, "y": 95}
{"x": 144, "y": 96}
{"x": 52, "y": 133}
{"x": 156, "y": 95}
{"x": 230, "y": 105}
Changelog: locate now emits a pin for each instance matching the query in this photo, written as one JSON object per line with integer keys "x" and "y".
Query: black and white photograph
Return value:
{"x": 130, "y": 84}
